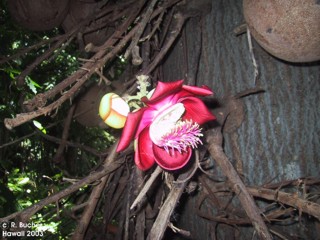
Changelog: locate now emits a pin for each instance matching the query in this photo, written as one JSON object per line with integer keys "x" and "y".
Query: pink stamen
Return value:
{"x": 183, "y": 135}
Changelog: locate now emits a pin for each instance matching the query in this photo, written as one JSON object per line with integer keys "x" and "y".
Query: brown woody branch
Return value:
{"x": 163, "y": 219}
{"x": 142, "y": 26}
{"x": 65, "y": 134}
{"x": 96, "y": 62}
{"x": 91, "y": 206}
{"x": 290, "y": 199}
{"x": 286, "y": 199}
{"x": 46, "y": 55}
{"x": 28, "y": 49}
{"x": 177, "y": 27}
{"x": 25, "y": 117}
{"x": 214, "y": 139}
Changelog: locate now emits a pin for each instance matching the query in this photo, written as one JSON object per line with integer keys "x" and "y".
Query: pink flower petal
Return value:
{"x": 196, "y": 110}
{"x": 144, "y": 157}
{"x": 129, "y": 130}
{"x": 200, "y": 91}
{"x": 146, "y": 119}
{"x": 172, "y": 161}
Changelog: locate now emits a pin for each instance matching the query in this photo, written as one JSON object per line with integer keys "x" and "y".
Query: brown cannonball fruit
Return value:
{"x": 287, "y": 29}
{"x": 38, "y": 15}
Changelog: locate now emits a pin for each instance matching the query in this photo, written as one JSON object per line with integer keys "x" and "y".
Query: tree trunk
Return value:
{"x": 279, "y": 137}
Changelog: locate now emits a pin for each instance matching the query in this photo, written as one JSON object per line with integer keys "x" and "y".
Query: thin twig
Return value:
{"x": 194, "y": 169}
{"x": 178, "y": 230}
{"x": 253, "y": 59}
{"x": 146, "y": 187}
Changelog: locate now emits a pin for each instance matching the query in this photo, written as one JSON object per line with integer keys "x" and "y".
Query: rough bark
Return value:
{"x": 278, "y": 138}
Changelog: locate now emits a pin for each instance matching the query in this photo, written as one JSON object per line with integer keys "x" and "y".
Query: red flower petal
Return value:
{"x": 173, "y": 160}
{"x": 200, "y": 91}
{"x": 165, "y": 89}
{"x": 129, "y": 130}
{"x": 191, "y": 91}
{"x": 196, "y": 110}
{"x": 143, "y": 156}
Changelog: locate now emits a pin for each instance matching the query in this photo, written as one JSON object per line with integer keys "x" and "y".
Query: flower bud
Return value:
{"x": 113, "y": 110}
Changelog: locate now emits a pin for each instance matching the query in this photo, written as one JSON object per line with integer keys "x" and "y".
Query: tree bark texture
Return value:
{"x": 279, "y": 137}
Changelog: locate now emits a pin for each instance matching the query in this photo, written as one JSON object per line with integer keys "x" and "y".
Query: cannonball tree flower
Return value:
{"x": 167, "y": 128}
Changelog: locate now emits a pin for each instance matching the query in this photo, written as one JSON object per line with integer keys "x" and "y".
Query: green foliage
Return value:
{"x": 28, "y": 172}
{"x": 14, "y": 73}
{"x": 27, "y": 188}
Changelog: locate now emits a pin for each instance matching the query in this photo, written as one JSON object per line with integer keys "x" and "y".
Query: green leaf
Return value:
{"x": 12, "y": 72}
{"x": 39, "y": 126}
{"x": 23, "y": 181}
{"x": 33, "y": 85}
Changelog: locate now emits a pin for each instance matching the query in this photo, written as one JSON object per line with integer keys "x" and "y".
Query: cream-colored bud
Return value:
{"x": 113, "y": 110}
